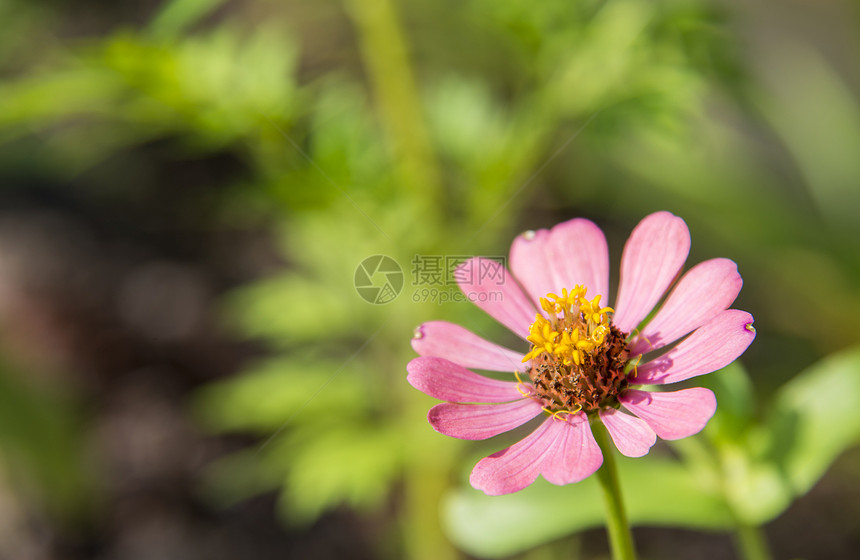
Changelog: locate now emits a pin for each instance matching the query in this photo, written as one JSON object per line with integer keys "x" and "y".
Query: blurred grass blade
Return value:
{"x": 818, "y": 117}
{"x": 175, "y": 16}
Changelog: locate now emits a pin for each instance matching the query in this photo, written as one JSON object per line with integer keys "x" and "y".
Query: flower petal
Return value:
{"x": 652, "y": 257}
{"x": 481, "y": 421}
{"x": 576, "y": 455}
{"x": 573, "y": 252}
{"x": 485, "y": 283}
{"x": 713, "y": 346}
{"x": 448, "y": 381}
{"x": 517, "y": 466}
{"x": 442, "y": 339}
{"x": 580, "y": 256}
{"x": 672, "y": 415}
{"x": 702, "y": 293}
{"x": 632, "y": 436}
{"x": 530, "y": 264}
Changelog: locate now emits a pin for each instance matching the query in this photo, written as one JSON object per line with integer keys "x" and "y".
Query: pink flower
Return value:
{"x": 584, "y": 361}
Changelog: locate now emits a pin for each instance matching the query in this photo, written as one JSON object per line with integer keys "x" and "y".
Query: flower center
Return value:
{"x": 577, "y": 355}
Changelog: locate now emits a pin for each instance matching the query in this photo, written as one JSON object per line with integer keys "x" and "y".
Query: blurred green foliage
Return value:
{"x": 42, "y": 446}
{"x": 404, "y": 128}
{"x": 746, "y": 471}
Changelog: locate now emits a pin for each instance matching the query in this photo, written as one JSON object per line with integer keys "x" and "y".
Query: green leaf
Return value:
{"x": 42, "y": 446}
{"x": 280, "y": 391}
{"x": 812, "y": 102}
{"x": 814, "y": 419}
{"x": 318, "y": 467}
{"x": 240, "y": 475}
{"x": 736, "y": 402}
{"x": 657, "y": 491}
{"x": 755, "y": 490}
{"x": 352, "y": 463}
{"x": 287, "y": 309}
{"x": 179, "y": 14}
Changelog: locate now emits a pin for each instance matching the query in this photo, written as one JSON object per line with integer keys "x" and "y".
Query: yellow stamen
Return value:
{"x": 592, "y": 311}
{"x": 547, "y": 305}
{"x": 557, "y": 413}
{"x": 520, "y": 385}
{"x": 573, "y": 327}
{"x": 599, "y": 334}
{"x": 633, "y": 365}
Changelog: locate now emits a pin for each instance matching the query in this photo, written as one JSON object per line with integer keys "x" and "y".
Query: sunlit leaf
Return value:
{"x": 735, "y": 401}
{"x": 755, "y": 489}
{"x": 775, "y": 462}
{"x": 814, "y": 419}
{"x": 348, "y": 463}
{"x": 288, "y": 309}
{"x": 657, "y": 492}
{"x": 283, "y": 391}
{"x": 178, "y": 14}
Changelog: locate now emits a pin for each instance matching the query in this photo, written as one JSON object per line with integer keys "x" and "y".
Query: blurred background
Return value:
{"x": 187, "y": 188}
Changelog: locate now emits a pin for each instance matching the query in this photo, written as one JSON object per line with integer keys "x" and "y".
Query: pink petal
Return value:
{"x": 652, "y": 257}
{"x": 530, "y": 264}
{"x": 702, "y": 293}
{"x": 485, "y": 282}
{"x": 581, "y": 256}
{"x": 576, "y": 455}
{"x": 713, "y": 346}
{"x": 481, "y": 421}
{"x": 441, "y": 339}
{"x": 672, "y": 415}
{"x": 632, "y": 436}
{"x": 573, "y": 252}
{"x": 517, "y": 466}
{"x": 448, "y": 381}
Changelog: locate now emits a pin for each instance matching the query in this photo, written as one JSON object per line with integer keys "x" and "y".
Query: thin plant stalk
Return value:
{"x": 751, "y": 543}
{"x": 392, "y": 79}
{"x": 620, "y": 536}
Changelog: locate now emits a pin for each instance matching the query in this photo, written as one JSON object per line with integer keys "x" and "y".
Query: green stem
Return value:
{"x": 426, "y": 478}
{"x": 620, "y": 537}
{"x": 751, "y": 543}
{"x": 384, "y": 52}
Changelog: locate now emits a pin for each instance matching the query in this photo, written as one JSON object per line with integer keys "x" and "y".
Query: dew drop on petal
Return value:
{"x": 529, "y": 235}
{"x": 417, "y": 334}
